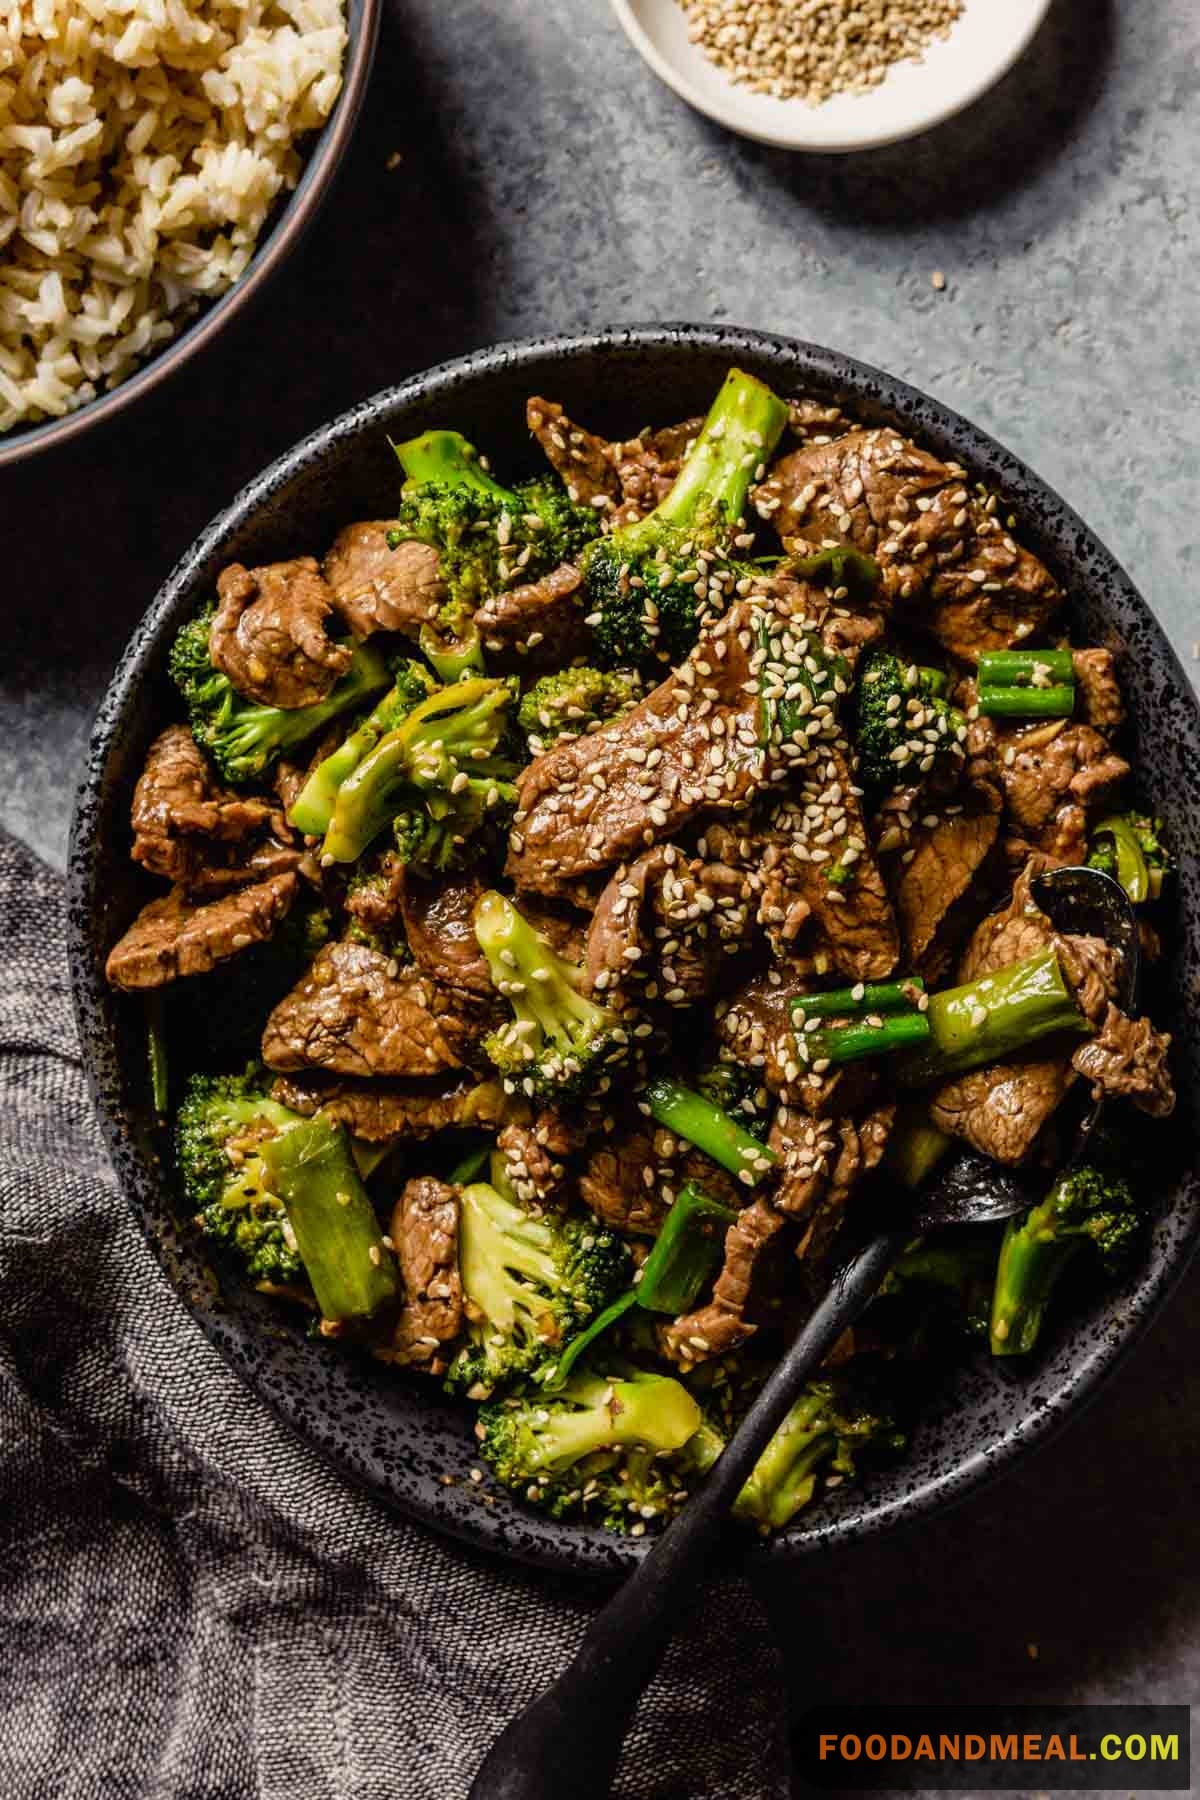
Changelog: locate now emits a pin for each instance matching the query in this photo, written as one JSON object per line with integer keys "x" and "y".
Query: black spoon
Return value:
{"x": 568, "y": 1741}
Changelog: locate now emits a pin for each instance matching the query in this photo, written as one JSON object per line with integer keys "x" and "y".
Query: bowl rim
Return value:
{"x": 285, "y": 237}
{"x": 566, "y": 1546}
{"x": 850, "y": 142}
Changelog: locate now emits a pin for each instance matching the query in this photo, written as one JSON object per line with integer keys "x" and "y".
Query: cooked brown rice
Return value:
{"x": 142, "y": 143}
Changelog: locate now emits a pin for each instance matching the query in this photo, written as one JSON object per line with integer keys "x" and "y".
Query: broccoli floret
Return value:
{"x": 903, "y": 725}
{"x": 738, "y": 1090}
{"x": 488, "y": 537}
{"x": 560, "y": 1043}
{"x": 647, "y": 594}
{"x": 1087, "y": 1205}
{"x": 243, "y": 738}
{"x": 439, "y": 779}
{"x": 955, "y": 1274}
{"x": 1130, "y": 847}
{"x": 836, "y": 1420}
{"x": 595, "y": 1447}
{"x": 572, "y": 701}
{"x": 312, "y": 809}
{"x": 530, "y": 1282}
{"x": 218, "y": 1130}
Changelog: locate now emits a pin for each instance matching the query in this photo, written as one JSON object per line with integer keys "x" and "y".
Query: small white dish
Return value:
{"x": 982, "y": 46}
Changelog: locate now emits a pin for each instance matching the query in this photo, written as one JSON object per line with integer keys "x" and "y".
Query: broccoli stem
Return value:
{"x": 858, "y": 1038}
{"x": 837, "y": 565}
{"x": 313, "y": 807}
{"x": 452, "y": 658}
{"x": 689, "y": 1115}
{"x": 446, "y": 456}
{"x": 686, "y": 1253}
{"x": 378, "y": 788}
{"x": 559, "y": 1371}
{"x": 991, "y": 1017}
{"x": 856, "y": 1002}
{"x": 1133, "y": 871}
{"x": 1018, "y": 668}
{"x": 1031, "y": 1261}
{"x": 156, "y": 1052}
{"x": 869, "y": 1019}
{"x": 1027, "y": 702}
{"x": 311, "y": 1170}
{"x": 743, "y": 426}
{"x": 915, "y": 1147}
{"x": 470, "y": 1166}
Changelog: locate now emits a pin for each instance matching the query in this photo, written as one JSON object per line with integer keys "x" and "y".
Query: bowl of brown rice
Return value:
{"x": 159, "y": 161}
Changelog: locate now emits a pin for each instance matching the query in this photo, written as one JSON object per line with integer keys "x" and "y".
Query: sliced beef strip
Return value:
{"x": 1128, "y": 1057}
{"x": 647, "y": 467}
{"x": 947, "y": 563}
{"x": 535, "y": 1159}
{"x": 757, "y": 1030}
{"x": 1099, "y": 691}
{"x": 438, "y": 916}
{"x": 664, "y": 926}
{"x": 816, "y": 421}
{"x": 933, "y": 887}
{"x": 269, "y": 633}
{"x": 632, "y": 1176}
{"x": 691, "y": 747}
{"x": 175, "y": 936}
{"x": 1001, "y": 1109}
{"x": 819, "y": 1179}
{"x": 376, "y": 901}
{"x": 357, "y": 1013}
{"x": 814, "y": 830}
{"x": 424, "y": 1233}
{"x": 1053, "y": 771}
{"x": 602, "y": 798}
{"x": 722, "y": 1325}
{"x": 563, "y": 926}
{"x": 178, "y": 805}
{"x": 376, "y": 588}
{"x": 541, "y": 621}
{"x": 384, "y": 1112}
{"x": 579, "y": 457}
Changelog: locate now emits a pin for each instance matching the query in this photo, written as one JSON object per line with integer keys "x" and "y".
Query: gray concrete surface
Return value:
{"x": 547, "y": 183}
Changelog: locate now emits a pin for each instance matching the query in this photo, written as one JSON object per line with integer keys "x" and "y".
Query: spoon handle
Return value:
{"x": 568, "y": 1741}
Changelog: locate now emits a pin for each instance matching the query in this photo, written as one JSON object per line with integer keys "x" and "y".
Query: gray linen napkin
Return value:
{"x": 193, "y": 1606}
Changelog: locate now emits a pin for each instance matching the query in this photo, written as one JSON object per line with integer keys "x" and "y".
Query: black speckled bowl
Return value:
{"x": 394, "y": 1433}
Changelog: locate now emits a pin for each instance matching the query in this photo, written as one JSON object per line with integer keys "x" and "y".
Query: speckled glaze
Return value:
{"x": 285, "y": 230}
{"x": 395, "y": 1434}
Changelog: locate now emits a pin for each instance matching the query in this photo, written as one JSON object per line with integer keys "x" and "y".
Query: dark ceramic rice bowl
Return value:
{"x": 393, "y": 1433}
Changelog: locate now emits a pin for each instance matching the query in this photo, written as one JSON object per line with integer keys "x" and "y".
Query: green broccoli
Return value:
{"x": 559, "y": 1043}
{"x": 957, "y": 1272}
{"x": 836, "y": 1420}
{"x": 572, "y": 701}
{"x": 529, "y": 1282}
{"x": 650, "y": 585}
{"x": 904, "y": 725}
{"x": 739, "y": 1091}
{"x": 438, "y": 779}
{"x": 243, "y": 738}
{"x": 312, "y": 810}
{"x": 596, "y": 1447}
{"x": 488, "y": 537}
{"x": 1087, "y": 1205}
{"x": 219, "y": 1128}
{"x": 1130, "y": 847}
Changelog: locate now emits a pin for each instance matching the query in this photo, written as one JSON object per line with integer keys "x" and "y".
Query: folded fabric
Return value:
{"x": 195, "y": 1607}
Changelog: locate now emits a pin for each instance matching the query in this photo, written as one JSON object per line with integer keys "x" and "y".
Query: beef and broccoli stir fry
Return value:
{"x": 581, "y": 892}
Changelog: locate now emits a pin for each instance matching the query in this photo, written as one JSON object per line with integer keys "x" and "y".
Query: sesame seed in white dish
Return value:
{"x": 142, "y": 146}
